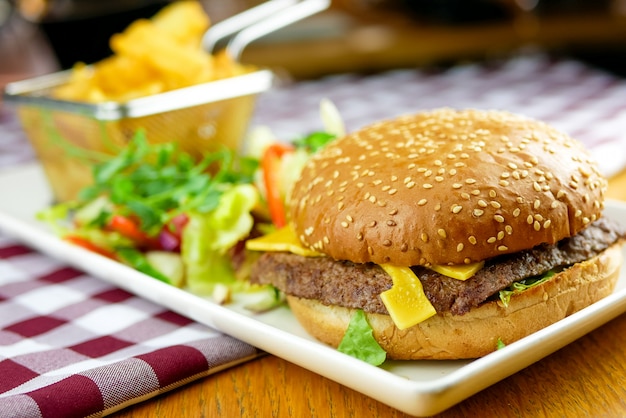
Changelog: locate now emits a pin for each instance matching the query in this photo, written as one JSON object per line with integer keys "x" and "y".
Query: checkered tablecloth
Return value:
{"x": 587, "y": 103}
{"x": 72, "y": 345}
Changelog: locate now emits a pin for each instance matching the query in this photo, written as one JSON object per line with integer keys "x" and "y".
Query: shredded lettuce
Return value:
{"x": 359, "y": 341}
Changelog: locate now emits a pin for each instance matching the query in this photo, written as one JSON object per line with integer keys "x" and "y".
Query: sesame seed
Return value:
{"x": 393, "y": 212}
{"x": 547, "y": 224}
{"x": 459, "y": 247}
{"x": 472, "y": 240}
{"x": 391, "y": 223}
{"x": 424, "y": 237}
{"x": 500, "y": 235}
{"x": 387, "y": 243}
{"x": 422, "y": 202}
{"x": 536, "y": 225}
{"x": 372, "y": 224}
{"x": 359, "y": 236}
{"x": 456, "y": 208}
{"x": 344, "y": 224}
{"x": 536, "y": 204}
{"x": 502, "y": 248}
{"x": 491, "y": 240}
{"x": 427, "y": 186}
{"x": 478, "y": 212}
{"x": 442, "y": 233}
{"x": 578, "y": 213}
{"x": 516, "y": 212}
{"x": 482, "y": 203}
{"x": 498, "y": 218}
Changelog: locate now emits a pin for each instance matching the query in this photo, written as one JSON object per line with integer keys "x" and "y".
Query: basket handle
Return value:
{"x": 247, "y": 26}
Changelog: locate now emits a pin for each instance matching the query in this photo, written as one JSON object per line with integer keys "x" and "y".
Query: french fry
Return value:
{"x": 186, "y": 23}
{"x": 152, "y": 56}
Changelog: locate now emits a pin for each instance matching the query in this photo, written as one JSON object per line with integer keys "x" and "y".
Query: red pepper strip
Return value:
{"x": 128, "y": 228}
{"x": 271, "y": 177}
{"x": 88, "y": 245}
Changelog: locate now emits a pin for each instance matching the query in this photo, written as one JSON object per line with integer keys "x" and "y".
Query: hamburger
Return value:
{"x": 452, "y": 231}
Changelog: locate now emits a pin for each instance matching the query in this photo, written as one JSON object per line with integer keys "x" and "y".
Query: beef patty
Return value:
{"x": 343, "y": 283}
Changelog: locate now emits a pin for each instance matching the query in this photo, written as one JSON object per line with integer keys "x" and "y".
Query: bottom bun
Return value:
{"x": 475, "y": 334}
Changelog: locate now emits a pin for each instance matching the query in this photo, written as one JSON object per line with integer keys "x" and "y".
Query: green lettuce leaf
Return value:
{"x": 522, "y": 285}
{"x": 208, "y": 236}
{"x": 359, "y": 341}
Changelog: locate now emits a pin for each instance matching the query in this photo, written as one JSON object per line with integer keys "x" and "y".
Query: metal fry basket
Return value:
{"x": 201, "y": 118}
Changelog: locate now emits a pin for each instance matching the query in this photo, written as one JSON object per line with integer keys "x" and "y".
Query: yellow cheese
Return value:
{"x": 406, "y": 301}
{"x": 460, "y": 271}
{"x": 283, "y": 239}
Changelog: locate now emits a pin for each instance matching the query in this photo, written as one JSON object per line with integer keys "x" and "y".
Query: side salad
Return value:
{"x": 183, "y": 221}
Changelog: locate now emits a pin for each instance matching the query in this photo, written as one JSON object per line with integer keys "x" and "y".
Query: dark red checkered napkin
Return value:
{"x": 72, "y": 345}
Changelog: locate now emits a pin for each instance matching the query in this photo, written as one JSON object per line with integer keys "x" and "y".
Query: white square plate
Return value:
{"x": 415, "y": 387}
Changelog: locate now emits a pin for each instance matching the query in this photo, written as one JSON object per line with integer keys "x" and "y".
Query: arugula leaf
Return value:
{"x": 359, "y": 341}
{"x": 155, "y": 182}
{"x": 314, "y": 141}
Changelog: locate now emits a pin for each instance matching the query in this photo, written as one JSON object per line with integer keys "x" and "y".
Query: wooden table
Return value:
{"x": 586, "y": 378}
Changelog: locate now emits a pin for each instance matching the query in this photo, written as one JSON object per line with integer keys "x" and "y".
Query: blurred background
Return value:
{"x": 41, "y": 36}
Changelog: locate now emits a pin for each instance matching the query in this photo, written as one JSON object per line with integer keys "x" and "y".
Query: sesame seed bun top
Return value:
{"x": 445, "y": 187}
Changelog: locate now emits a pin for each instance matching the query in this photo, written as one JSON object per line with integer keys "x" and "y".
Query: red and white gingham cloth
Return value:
{"x": 587, "y": 103}
{"x": 72, "y": 345}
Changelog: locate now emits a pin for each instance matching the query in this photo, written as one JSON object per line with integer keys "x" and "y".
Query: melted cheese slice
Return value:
{"x": 406, "y": 301}
{"x": 459, "y": 271}
{"x": 283, "y": 239}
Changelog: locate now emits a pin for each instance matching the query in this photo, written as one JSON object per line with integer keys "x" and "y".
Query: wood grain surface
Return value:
{"x": 584, "y": 379}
